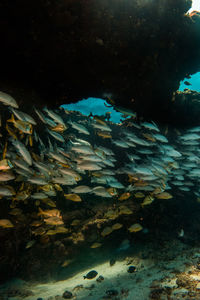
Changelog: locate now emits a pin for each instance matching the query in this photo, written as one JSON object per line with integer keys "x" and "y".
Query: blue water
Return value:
{"x": 96, "y": 106}
{"x": 195, "y": 83}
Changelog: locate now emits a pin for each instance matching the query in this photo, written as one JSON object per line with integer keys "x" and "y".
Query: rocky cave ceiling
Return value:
{"x": 55, "y": 52}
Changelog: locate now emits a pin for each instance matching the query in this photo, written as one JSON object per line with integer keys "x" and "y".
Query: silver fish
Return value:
{"x": 64, "y": 180}
{"x": 125, "y": 111}
{"x": 81, "y": 189}
{"x": 50, "y": 122}
{"x": 42, "y": 166}
{"x": 54, "y": 116}
{"x": 101, "y": 191}
{"x": 6, "y": 176}
{"x": 160, "y": 138}
{"x": 57, "y": 156}
{"x": 37, "y": 180}
{"x": 184, "y": 188}
{"x": 38, "y": 196}
{"x": 116, "y": 184}
{"x": 120, "y": 143}
{"x": 106, "y": 150}
{"x": 89, "y": 166}
{"x": 23, "y": 116}
{"x": 194, "y": 129}
{"x": 150, "y": 126}
{"x": 82, "y": 149}
{"x": 108, "y": 162}
{"x": 8, "y": 100}
{"x": 23, "y": 151}
{"x": 142, "y": 170}
{"x": 107, "y": 172}
{"x": 23, "y": 165}
{"x": 92, "y": 158}
{"x": 56, "y": 135}
{"x": 22, "y": 172}
{"x": 139, "y": 141}
{"x": 145, "y": 151}
{"x": 190, "y": 136}
{"x": 79, "y": 127}
{"x": 40, "y": 115}
{"x": 69, "y": 172}
{"x": 81, "y": 141}
{"x": 6, "y": 192}
{"x": 101, "y": 127}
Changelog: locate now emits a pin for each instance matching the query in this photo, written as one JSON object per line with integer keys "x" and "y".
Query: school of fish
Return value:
{"x": 58, "y": 153}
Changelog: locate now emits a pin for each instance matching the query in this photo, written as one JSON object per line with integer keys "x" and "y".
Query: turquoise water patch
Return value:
{"x": 96, "y": 106}
{"x": 194, "y": 83}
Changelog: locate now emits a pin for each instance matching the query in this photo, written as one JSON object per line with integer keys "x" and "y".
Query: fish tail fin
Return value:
{"x": 40, "y": 212}
{"x": 12, "y": 119}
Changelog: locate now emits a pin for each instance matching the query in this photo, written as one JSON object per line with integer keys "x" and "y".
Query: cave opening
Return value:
{"x": 193, "y": 83}
{"x": 95, "y": 106}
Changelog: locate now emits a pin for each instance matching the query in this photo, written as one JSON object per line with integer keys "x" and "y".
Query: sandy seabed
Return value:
{"x": 170, "y": 272}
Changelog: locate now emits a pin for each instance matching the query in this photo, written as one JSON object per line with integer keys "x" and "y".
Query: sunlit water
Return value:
{"x": 96, "y": 106}
{"x": 194, "y": 81}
